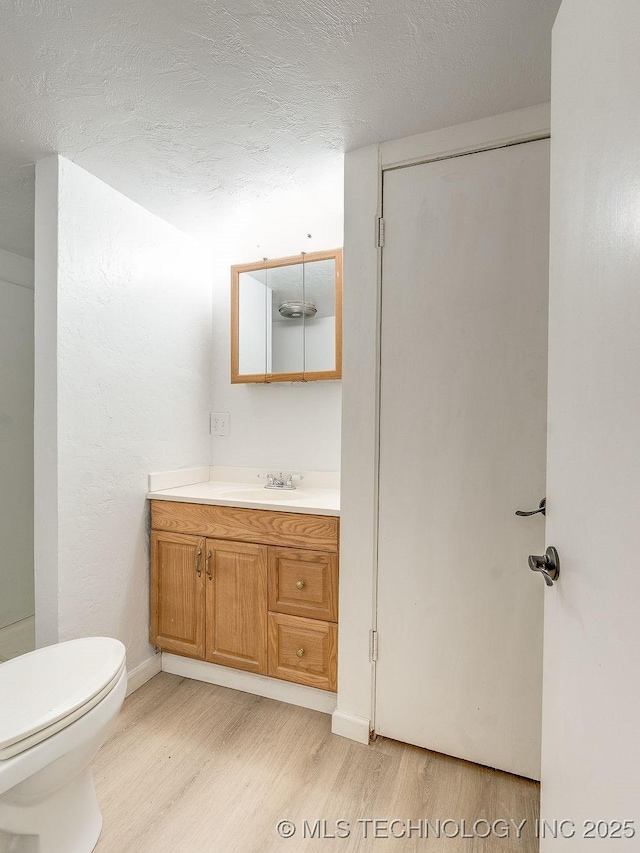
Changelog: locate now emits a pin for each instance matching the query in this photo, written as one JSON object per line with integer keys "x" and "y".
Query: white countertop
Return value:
{"x": 315, "y": 494}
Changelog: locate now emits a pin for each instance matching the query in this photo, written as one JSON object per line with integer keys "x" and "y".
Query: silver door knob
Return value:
{"x": 548, "y": 565}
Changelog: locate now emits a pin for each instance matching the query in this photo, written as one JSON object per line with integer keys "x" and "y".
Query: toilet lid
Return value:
{"x": 42, "y": 687}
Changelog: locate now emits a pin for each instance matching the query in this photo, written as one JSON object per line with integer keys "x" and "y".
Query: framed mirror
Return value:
{"x": 286, "y": 319}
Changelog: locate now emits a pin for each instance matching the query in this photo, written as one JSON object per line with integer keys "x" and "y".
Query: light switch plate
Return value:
{"x": 219, "y": 423}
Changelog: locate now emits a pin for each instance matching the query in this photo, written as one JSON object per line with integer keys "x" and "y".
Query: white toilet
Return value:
{"x": 56, "y": 707}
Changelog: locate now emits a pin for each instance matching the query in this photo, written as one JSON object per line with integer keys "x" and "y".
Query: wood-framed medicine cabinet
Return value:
{"x": 286, "y": 319}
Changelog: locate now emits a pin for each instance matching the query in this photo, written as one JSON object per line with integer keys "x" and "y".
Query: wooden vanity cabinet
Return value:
{"x": 255, "y": 590}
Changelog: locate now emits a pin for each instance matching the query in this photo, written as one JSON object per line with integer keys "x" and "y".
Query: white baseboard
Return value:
{"x": 350, "y": 726}
{"x": 143, "y": 672}
{"x": 249, "y": 682}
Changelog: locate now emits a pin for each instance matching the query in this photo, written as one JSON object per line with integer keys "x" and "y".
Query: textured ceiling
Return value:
{"x": 190, "y": 107}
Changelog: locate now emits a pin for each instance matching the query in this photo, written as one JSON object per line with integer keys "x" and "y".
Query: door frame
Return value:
{"x": 354, "y": 716}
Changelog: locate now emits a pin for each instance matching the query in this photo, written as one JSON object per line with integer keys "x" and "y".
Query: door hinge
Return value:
{"x": 379, "y": 232}
{"x": 373, "y": 645}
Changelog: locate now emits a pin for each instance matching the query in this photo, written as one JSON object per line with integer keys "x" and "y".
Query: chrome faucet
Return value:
{"x": 280, "y": 481}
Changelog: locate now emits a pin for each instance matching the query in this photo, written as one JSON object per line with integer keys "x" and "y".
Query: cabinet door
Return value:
{"x": 178, "y": 593}
{"x": 236, "y": 591}
{"x": 303, "y": 583}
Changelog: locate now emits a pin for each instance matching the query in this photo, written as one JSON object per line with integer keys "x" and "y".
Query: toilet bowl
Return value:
{"x": 56, "y": 707}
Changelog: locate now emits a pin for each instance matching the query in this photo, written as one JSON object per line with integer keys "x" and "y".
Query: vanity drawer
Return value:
{"x": 303, "y": 583}
{"x": 264, "y": 527}
{"x": 303, "y": 650}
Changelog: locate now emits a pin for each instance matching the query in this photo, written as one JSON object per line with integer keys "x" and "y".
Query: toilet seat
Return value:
{"x": 44, "y": 691}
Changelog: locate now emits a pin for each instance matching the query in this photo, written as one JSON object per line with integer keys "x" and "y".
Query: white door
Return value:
{"x": 591, "y": 712}
{"x": 462, "y": 447}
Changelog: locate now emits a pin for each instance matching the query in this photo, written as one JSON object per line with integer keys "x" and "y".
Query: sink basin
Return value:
{"x": 262, "y": 494}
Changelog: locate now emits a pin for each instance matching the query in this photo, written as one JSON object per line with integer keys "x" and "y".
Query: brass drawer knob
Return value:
{"x": 300, "y": 652}
{"x": 300, "y": 585}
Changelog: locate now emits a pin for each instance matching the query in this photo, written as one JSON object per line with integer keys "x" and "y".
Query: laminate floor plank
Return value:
{"x": 195, "y": 768}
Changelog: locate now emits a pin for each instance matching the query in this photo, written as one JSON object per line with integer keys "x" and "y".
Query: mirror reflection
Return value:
{"x": 286, "y": 319}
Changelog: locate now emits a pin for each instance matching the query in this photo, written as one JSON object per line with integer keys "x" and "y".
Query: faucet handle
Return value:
{"x": 291, "y": 477}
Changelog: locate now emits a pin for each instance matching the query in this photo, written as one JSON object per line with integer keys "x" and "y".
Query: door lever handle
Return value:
{"x": 548, "y": 565}
{"x": 542, "y": 508}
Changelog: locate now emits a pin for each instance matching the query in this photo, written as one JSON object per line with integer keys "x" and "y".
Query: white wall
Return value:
{"x": 45, "y": 434}
{"x": 123, "y": 313}
{"x": 358, "y": 496}
{"x": 16, "y": 438}
{"x": 591, "y": 697}
{"x": 279, "y": 426}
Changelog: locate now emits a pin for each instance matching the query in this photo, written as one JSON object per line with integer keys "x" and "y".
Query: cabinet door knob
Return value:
{"x": 198, "y": 569}
{"x": 300, "y": 652}
{"x": 300, "y": 585}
